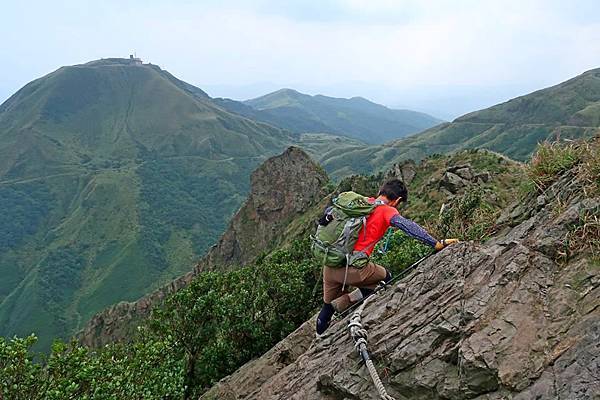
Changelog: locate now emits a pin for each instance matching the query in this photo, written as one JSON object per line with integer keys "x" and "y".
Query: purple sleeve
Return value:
{"x": 412, "y": 229}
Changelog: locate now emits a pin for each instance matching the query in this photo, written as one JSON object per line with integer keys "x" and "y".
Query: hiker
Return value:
{"x": 370, "y": 218}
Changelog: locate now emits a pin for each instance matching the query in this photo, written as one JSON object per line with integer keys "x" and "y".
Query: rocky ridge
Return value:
{"x": 515, "y": 318}
{"x": 282, "y": 188}
{"x": 253, "y": 230}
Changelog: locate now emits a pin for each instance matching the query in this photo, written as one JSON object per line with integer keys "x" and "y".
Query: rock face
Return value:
{"x": 405, "y": 171}
{"x": 513, "y": 318}
{"x": 457, "y": 178}
{"x": 281, "y": 188}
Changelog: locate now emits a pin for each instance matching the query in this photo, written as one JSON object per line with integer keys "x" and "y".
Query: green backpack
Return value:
{"x": 333, "y": 243}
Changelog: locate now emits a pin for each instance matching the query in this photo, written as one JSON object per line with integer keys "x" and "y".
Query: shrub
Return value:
{"x": 143, "y": 369}
{"x": 224, "y": 319}
{"x": 398, "y": 251}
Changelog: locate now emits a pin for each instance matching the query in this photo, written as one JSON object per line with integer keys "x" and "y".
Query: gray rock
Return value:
{"x": 452, "y": 182}
{"x": 483, "y": 177}
{"x": 465, "y": 173}
{"x": 495, "y": 321}
{"x": 405, "y": 171}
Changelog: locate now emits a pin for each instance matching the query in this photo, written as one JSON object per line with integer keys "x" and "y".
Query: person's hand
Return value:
{"x": 445, "y": 243}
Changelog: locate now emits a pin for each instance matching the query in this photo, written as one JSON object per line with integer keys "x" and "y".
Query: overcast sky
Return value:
{"x": 442, "y": 57}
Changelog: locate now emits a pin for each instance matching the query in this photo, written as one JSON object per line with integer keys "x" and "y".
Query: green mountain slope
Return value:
{"x": 356, "y": 117}
{"x": 567, "y": 111}
{"x": 114, "y": 179}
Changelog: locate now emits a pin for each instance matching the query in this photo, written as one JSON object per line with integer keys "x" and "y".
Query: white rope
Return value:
{"x": 359, "y": 335}
{"x": 377, "y": 381}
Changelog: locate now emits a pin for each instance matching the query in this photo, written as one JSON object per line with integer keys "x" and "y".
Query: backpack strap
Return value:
{"x": 346, "y": 273}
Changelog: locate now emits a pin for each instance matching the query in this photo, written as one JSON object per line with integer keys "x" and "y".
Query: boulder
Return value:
{"x": 405, "y": 171}
{"x": 452, "y": 182}
{"x": 483, "y": 177}
{"x": 465, "y": 173}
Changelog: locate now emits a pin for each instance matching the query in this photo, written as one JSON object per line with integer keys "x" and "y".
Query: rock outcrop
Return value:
{"x": 405, "y": 171}
{"x": 458, "y": 177}
{"x": 282, "y": 188}
{"x": 515, "y": 318}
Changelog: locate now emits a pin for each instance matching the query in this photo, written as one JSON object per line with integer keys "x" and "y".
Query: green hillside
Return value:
{"x": 357, "y": 117}
{"x": 114, "y": 179}
{"x": 567, "y": 111}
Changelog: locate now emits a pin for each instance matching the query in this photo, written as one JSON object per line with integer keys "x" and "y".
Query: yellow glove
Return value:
{"x": 444, "y": 243}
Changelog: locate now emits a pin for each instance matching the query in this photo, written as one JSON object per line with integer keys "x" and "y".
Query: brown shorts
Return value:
{"x": 333, "y": 279}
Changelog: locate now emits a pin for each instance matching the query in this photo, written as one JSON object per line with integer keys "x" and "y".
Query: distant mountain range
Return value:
{"x": 568, "y": 110}
{"x": 356, "y": 117}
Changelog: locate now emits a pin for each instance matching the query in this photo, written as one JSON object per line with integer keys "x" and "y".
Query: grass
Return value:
{"x": 553, "y": 158}
{"x": 585, "y": 236}
{"x": 550, "y": 160}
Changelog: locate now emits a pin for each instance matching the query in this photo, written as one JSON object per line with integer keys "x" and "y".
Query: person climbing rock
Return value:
{"x": 346, "y": 236}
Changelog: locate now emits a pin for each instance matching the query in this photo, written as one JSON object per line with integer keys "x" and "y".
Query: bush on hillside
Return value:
{"x": 202, "y": 333}
{"x": 143, "y": 369}
{"x": 222, "y": 320}
{"x": 397, "y": 251}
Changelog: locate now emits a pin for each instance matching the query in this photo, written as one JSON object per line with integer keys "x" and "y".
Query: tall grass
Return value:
{"x": 550, "y": 160}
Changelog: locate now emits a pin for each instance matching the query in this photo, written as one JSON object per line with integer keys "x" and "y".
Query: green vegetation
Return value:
{"x": 546, "y": 166}
{"x": 29, "y": 205}
{"x": 398, "y": 251}
{"x": 550, "y": 160}
{"x": 469, "y": 217}
{"x": 224, "y": 319}
{"x": 111, "y": 176}
{"x": 570, "y": 110}
{"x": 202, "y": 333}
{"x": 144, "y": 369}
{"x": 585, "y": 235}
{"x": 356, "y": 118}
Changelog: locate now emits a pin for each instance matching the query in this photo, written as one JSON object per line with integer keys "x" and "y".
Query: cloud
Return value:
{"x": 400, "y": 44}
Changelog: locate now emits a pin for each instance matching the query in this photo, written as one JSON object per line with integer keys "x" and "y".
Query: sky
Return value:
{"x": 442, "y": 57}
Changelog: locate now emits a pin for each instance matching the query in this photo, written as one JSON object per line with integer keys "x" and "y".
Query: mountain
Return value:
{"x": 347, "y": 157}
{"x": 568, "y": 110}
{"x": 114, "y": 179}
{"x": 356, "y": 117}
{"x": 514, "y": 317}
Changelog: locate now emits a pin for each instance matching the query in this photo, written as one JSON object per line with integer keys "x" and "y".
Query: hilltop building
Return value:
{"x": 134, "y": 60}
